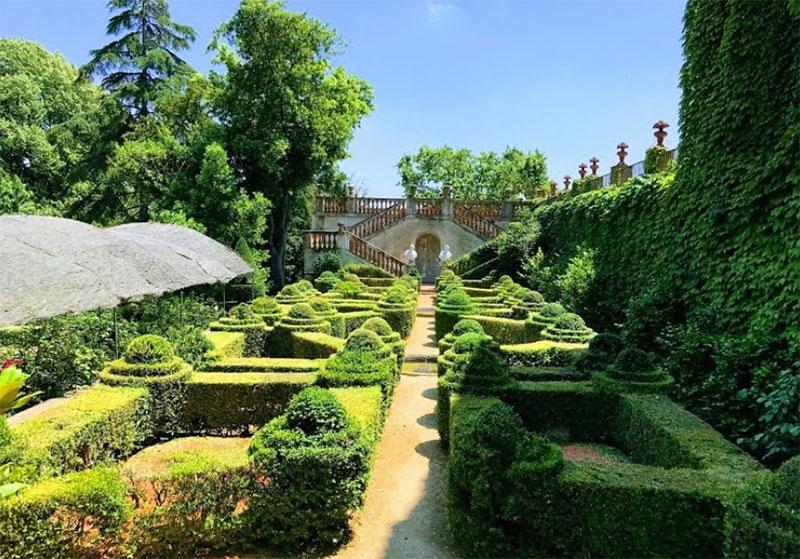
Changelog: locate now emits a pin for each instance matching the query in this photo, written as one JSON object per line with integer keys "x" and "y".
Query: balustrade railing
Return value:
{"x": 484, "y": 208}
{"x": 375, "y": 205}
{"x": 321, "y": 240}
{"x": 374, "y": 255}
{"x": 332, "y": 205}
{"x": 380, "y": 221}
{"x": 474, "y": 222}
{"x": 429, "y": 207}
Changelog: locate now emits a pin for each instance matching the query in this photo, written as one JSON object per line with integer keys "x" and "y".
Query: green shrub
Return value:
{"x": 327, "y": 261}
{"x": 633, "y": 371}
{"x": 149, "y": 349}
{"x": 315, "y": 481}
{"x": 569, "y": 328}
{"x": 451, "y": 308}
{"x": 189, "y": 493}
{"x": 507, "y": 330}
{"x": 479, "y": 369}
{"x": 315, "y": 345}
{"x": 349, "y": 289}
{"x": 241, "y": 318}
{"x": 530, "y": 301}
{"x": 327, "y": 311}
{"x": 603, "y": 349}
{"x": 495, "y": 468}
{"x": 366, "y": 341}
{"x": 301, "y": 318}
{"x": 78, "y": 515}
{"x": 350, "y": 368}
{"x": 326, "y": 281}
{"x": 367, "y": 271}
{"x": 267, "y": 309}
{"x": 463, "y": 326}
{"x": 544, "y": 353}
{"x": 399, "y": 311}
{"x": 265, "y": 365}
{"x": 316, "y": 411}
{"x": 292, "y": 294}
{"x": 354, "y": 319}
{"x": 191, "y": 345}
{"x": 539, "y": 320}
{"x": 97, "y": 424}
{"x": 389, "y": 337}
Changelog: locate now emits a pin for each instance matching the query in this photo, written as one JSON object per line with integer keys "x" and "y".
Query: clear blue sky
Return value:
{"x": 569, "y": 78}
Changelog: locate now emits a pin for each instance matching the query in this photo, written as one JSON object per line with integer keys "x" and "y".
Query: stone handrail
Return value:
{"x": 321, "y": 240}
{"x": 429, "y": 207}
{"x": 474, "y": 222}
{"x": 332, "y": 205}
{"x": 375, "y": 205}
{"x": 484, "y": 208}
{"x": 380, "y": 221}
{"x": 374, "y": 255}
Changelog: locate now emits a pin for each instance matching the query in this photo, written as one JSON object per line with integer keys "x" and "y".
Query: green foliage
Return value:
{"x": 315, "y": 345}
{"x": 280, "y": 66}
{"x": 477, "y": 367}
{"x": 326, "y": 281}
{"x": 367, "y": 271}
{"x": 495, "y": 466}
{"x": 576, "y": 282}
{"x": 544, "y": 353}
{"x": 192, "y": 345}
{"x": 267, "y": 309}
{"x": 316, "y": 411}
{"x": 327, "y": 261}
{"x": 487, "y": 175}
{"x": 77, "y": 515}
{"x": 467, "y": 325}
{"x": 258, "y": 279}
{"x": 349, "y": 289}
{"x": 148, "y": 349}
{"x": 568, "y": 327}
{"x": 507, "y": 330}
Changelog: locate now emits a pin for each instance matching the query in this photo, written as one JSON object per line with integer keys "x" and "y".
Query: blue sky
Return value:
{"x": 570, "y": 78}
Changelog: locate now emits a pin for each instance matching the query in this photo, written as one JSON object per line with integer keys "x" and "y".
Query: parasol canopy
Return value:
{"x": 51, "y": 266}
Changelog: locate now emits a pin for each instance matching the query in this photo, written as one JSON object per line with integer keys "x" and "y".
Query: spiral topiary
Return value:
{"x": 633, "y": 370}
{"x": 315, "y": 411}
{"x": 267, "y": 309}
{"x": 568, "y": 328}
{"x": 530, "y": 301}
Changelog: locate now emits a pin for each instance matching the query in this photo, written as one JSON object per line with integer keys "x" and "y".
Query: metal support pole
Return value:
{"x": 116, "y": 334}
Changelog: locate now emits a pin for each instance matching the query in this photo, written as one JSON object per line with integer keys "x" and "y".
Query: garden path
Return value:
{"x": 404, "y": 514}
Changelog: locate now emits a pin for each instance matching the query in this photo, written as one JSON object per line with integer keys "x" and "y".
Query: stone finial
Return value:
{"x": 660, "y": 133}
{"x": 508, "y": 193}
{"x": 622, "y": 153}
{"x": 567, "y": 180}
{"x": 342, "y": 227}
{"x": 553, "y": 187}
{"x": 582, "y": 169}
{"x": 351, "y": 191}
{"x": 595, "y": 165}
{"x": 446, "y": 191}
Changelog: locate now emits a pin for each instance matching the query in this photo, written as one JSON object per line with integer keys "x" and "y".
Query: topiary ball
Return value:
{"x": 365, "y": 341}
{"x": 468, "y": 342}
{"x": 396, "y": 298}
{"x": 315, "y": 411}
{"x": 149, "y": 349}
{"x": 607, "y": 343}
{"x": 632, "y": 360}
{"x": 505, "y": 280}
{"x": 466, "y": 325}
{"x": 265, "y": 305}
{"x": 322, "y": 306}
{"x": 481, "y": 370}
{"x": 552, "y": 310}
{"x": 378, "y": 325}
{"x": 326, "y": 281}
{"x": 569, "y": 321}
{"x": 531, "y": 297}
{"x": 304, "y": 285}
{"x": 291, "y": 290}
{"x": 457, "y": 299}
{"x": 302, "y": 311}
{"x": 241, "y": 312}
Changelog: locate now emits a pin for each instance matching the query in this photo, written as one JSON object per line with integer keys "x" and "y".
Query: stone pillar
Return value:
{"x": 582, "y": 170}
{"x": 507, "y": 210}
{"x": 342, "y": 238}
{"x": 411, "y": 206}
{"x": 621, "y": 172}
{"x": 658, "y": 158}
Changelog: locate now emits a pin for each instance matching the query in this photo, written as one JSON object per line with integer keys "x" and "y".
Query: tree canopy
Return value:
{"x": 487, "y": 175}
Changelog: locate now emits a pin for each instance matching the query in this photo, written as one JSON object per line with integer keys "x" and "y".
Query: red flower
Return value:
{"x": 10, "y": 363}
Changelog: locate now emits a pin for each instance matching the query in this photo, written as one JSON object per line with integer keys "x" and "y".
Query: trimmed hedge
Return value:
{"x": 543, "y": 353}
{"x": 506, "y": 330}
{"x": 315, "y": 345}
{"x": 97, "y": 424}
{"x": 569, "y": 328}
{"x": 267, "y": 309}
{"x": 224, "y": 403}
{"x": 633, "y": 371}
{"x": 241, "y": 318}
{"x": 189, "y": 493}
{"x": 354, "y": 319}
{"x": 226, "y": 344}
{"x": 450, "y": 308}
{"x": 316, "y": 480}
{"x": 328, "y": 312}
{"x": 76, "y": 515}
{"x": 301, "y": 318}
{"x": 265, "y": 365}
{"x": 399, "y": 310}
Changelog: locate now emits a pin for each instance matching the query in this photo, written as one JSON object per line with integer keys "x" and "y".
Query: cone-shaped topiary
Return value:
{"x": 633, "y": 370}
{"x": 291, "y": 294}
{"x": 450, "y": 308}
{"x": 315, "y": 411}
{"x": 267, "y": 309}
{"x": 568, "y": 328}
{"x": 480, "y": 371}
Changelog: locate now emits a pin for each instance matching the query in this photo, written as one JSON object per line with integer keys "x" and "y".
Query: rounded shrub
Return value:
{"x": 569, "y": 328}
{"x": 467, "y": 325}
{"x": 322, "y": 306}
{"x": 398, "y": 309}
{"x": 366, "y": 341}
{"x": 349, "y": 289}
{"x": 241, "y": 312}
{"x": 149, "y": 349}
{"x": 468, "y": 342}
{"x": 632, "y": 360}
{"x": 607, "y": 343}
{"x": 544, "y": 317}
{"x": 379, "y": 326}
{"x": 302, "y": 311}
{"x": 267, "y": 309}
{"x": 530, "y": 301}
{"x": 633, "y": 370}
{"x": 291, "y": 294}
{"x": 305, "y": 285}
{"x": 480, "y": 371}
{"x": 191, "y": 344}
{"x": 326, "y": 281}
{"x": 314, "y": 411}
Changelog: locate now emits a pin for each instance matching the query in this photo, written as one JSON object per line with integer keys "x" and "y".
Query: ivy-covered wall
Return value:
{"x": 705, "y": 268}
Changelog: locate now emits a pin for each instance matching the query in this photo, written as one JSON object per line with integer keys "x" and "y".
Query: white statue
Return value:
{"x": 410, "y": 256}
{"x": 445, "y": 254}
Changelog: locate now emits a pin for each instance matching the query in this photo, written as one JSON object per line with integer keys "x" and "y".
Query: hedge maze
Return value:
{"x": 267, "y": 444}
{"x": 562, "y": 442}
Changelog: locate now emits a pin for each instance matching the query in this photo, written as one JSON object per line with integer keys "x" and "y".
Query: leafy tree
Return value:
{"x": 288, "y": 113}
{"x": 487, "y": 175}
{"x": 138, "y": 64}
{"x": 48, "y": 122}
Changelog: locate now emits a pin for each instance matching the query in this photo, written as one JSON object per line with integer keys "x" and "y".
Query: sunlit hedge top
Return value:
{"x": 569, "y": 328}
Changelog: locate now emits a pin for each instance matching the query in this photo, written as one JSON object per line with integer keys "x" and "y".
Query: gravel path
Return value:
{"x": 403, "y": 514}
